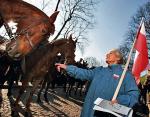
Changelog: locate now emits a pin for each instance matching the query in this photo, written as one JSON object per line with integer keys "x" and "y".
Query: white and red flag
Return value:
{"x": 141, "y": 56}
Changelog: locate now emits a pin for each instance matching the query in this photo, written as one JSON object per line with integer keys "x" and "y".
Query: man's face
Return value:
{"x": 111, "y": 58}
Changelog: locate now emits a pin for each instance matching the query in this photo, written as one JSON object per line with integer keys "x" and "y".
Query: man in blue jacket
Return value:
{"x": 104, "y": 83}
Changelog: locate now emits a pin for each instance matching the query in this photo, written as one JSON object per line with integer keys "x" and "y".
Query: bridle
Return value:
{"x": 23, "y": 31}
{"x": 26, "y": 32}
{"x": 67, "y": 51}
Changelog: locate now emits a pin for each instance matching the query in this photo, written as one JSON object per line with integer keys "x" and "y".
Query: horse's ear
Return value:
{"x": 53, "y": 17}
{"x": 70, "y": 37}
{"x": 76, "y": 40}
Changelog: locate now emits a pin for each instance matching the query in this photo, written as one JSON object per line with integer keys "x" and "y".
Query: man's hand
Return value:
{"x": 114, "y": 101}
{"x": 59, "y": 66}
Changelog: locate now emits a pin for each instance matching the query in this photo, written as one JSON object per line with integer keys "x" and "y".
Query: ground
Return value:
{"x": 58, "y": 106}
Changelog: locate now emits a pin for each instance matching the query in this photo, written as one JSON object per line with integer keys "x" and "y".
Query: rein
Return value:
{"x": 29, "y": 41}
{"x": 25, "y": 31}
{"x": 10, "y": 34}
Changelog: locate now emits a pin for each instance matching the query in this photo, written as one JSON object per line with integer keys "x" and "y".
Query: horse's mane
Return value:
{"x": 14, "y": 0}
{"x": 58, "y": 42}
{"x": 45, "y": 48}
{"x": 34, "y": 8}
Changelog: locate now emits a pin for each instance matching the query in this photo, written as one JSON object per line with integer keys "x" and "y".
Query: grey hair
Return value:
{"x": 119, "y": 55}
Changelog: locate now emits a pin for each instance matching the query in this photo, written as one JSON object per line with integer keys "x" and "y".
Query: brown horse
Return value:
{"x": 39, "y": 62}
{"x": 33, "y": 26}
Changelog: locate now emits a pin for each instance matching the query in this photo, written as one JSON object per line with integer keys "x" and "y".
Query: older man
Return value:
{"x": 104, "y": 83}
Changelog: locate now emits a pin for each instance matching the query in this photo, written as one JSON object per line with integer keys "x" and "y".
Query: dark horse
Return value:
{"x": 39, "y": 62}
{"x": 52, "y": 77}
{"x": 33, "y": 26}
{"x": 71, "y": 82}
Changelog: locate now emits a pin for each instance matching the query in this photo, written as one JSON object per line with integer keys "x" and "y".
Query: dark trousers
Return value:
{"x": 102, "y": 114}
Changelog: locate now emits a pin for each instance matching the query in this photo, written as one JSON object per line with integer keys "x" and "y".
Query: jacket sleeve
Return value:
{"x": 131, "y": 92}
{"x": 80, "y": 73}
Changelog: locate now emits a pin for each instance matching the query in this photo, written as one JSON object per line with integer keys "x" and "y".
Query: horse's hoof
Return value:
{"x": 45, "y": 97}
{"x": 9, "y": 94}
{"x": 28, "y": 114}
{"x": 1, "y": 99}
{"x": 70, "y": 95}
{"x": 14, "y": 114}
{"x": 64, "y": 90}
{"x": 46, "y": 100}
{"x": 52, "y": 91}
{"x": 39, "y": 101}
{"x": 67, "y": 96}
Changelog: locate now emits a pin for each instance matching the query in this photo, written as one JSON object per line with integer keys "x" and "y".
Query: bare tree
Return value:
{"x": 58, "y": 2}
{"x": 93, "y": 62}
{"x": 143, "y": 11}
{"x": 44, "y": 4}
{"x": 78, "y": 16}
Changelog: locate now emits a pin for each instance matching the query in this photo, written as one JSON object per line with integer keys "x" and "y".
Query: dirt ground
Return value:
{"x": 59, "y": 105}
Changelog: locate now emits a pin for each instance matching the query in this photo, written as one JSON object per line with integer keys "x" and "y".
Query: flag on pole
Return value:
{"x": 141, "y": 56}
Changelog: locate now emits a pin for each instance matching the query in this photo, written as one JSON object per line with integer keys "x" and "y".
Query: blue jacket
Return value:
{"x": 104, "y": 83}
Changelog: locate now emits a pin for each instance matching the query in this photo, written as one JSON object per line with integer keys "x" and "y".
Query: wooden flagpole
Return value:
{"x": 127, "y": 64}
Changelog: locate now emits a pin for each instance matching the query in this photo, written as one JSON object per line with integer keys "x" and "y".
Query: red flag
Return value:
{"x": 141, "y": 57}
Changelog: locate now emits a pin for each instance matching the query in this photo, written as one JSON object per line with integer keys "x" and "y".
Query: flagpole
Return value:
{"x": 126, "y": 65}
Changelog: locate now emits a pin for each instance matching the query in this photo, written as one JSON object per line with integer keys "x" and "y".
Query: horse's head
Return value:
{"x": 70, "y": 49}
{"x": 67, "y": 48}
{"x": 30, "y": 32}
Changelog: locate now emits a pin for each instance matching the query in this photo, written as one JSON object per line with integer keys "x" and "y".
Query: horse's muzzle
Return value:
{"x": 12, "y": 51}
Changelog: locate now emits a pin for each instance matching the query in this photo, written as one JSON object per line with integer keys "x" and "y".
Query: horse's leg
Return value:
{"x": 68, "y": 87}
{"x": 64, "y": 84}
{"x": 53, "y": 84}
{"x": 39, "y": 94}
{"x": 82, "y": 83}
{"x": 21, "y": 91}
{"x": 71, "y": 87}
{"x": 72, "y": 83}
{"x": 76, "y": 88}
{"x": 1, "y": 22}
{"x": 35, "y": 85}
{"x": 45, "y": 94}
{"x": 1, "y": 97}
{"x": 10, "y": 85}
{"x": 18, "y": 76}
{"x": 2, "y": 81}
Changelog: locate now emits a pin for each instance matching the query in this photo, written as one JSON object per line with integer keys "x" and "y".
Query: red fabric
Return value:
{"x": 141, "y": 61}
